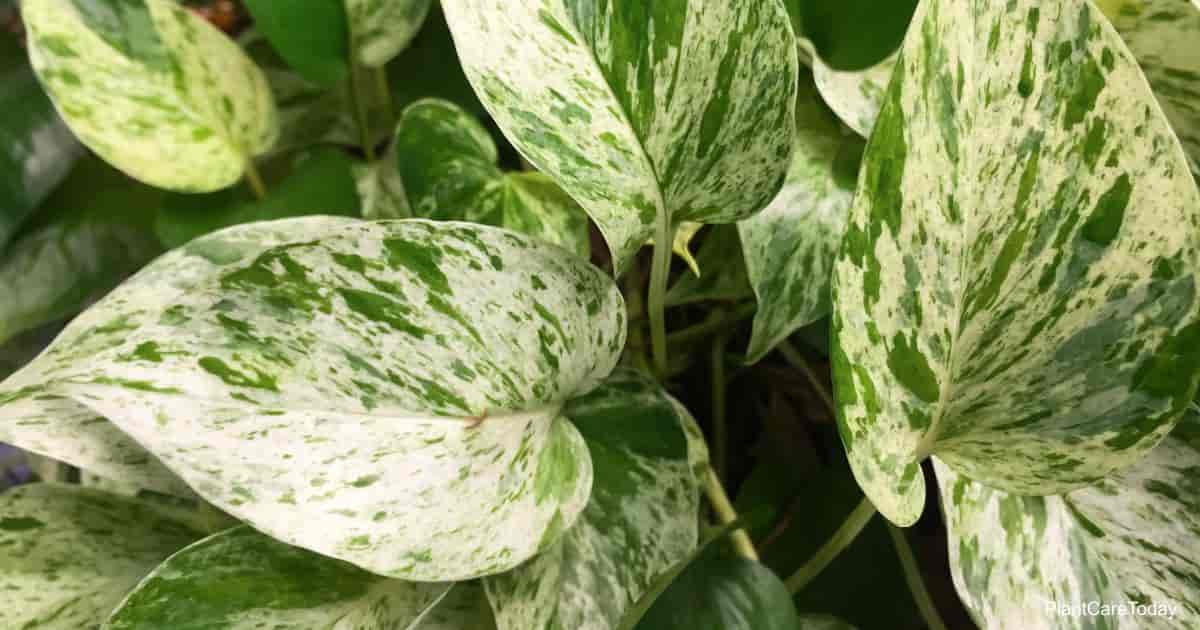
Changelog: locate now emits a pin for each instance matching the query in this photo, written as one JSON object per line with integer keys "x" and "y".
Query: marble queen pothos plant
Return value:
{"x": 398, "y": 385}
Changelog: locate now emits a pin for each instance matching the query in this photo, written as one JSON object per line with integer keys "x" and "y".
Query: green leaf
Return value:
{"x": 408, "y": 377}
{"x": 380, "y": 29}
{"x": 313, "y": 36}
{"x": 320, "y": 183}
{"x": 725, "y": 592}
{"x": 1016, "y": 292}
{"x": 429, "y": 68}
{"x": 448, "y": 165}
{"x": 855, "y": 34}
{"x": 153, "y": 89}
{"x": 855, "y": 95}
{"x": 1164, "y": 36}
{"x": 36, "y": 148}
{"x": 647, "y": 113}
{"x": 240, "y": 578}
{"x": 1129, "y": 539}
{"x": 69, "y": 554}
{"x": 790, "y": 247}
{"x": 722, "y": 269}
{"x": 649, "y": 459}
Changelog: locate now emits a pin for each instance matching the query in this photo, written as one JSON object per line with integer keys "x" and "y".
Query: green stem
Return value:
{"x": 636, "y": 307}
{"x": 794, "y": 357}
{"x": 727, "y": 514}
{"x": 660, "y": 268}
{"x": 385, "y": 95}
{"x": 360, "y": 112}
{"x": 255, "y": 180}
{"x": 717, "y": 321}
{"x": 841, "y": 539}
{"x": 912, "y": 575}
{"x": 720, "y": 439}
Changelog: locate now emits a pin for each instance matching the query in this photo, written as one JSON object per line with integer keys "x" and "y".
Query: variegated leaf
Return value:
{"x": 153, "y": 89}
{"x": 647, "y": 113}
{"x": 386, "y": 393}
{"x": 855, "y": 95}
{"x": 722, "y": 270}
{"x": 649, "y": 459}
{"x": 381, "y": 190}
{"x": 1164, "y": 35}
{"x": 241, "y": 579}
{"x": 1023, "y": 563}
{"x": 69, "y": 554}
{"x": 380, "y": 29}
{"x": 790, "y": 247}
{"x": 1016, "y": 290}
{"x": 447, "y": 164}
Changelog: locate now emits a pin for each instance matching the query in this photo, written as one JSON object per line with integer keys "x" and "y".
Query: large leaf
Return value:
{"x": 1016, "y": 290}
{"x": 153, "y": 89}
{"x": 380, "y": 29}
{"x": 313, "y": 36}
{"x": 647, "y": 113}
{"x": 408, "y": 377}
{"x": 855, "y": 34}
{"x": 1130, "y": 539}
{"x": 36, "y": 148}
{"x": 1164, "y": 35}
{"x": 855, "y": 95}
{"x": 448, "y": 166}
{"x": 240, "y": 578}
{"x": 790, "y": 247}
{"x": 320, "y": 183}
{"x": 69, "y": 554}
{"x": 649, "y": 459}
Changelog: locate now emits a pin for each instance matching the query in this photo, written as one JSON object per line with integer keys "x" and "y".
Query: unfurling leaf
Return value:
{"x": 385, "y": 393}
{"x": 68, "y": 554}
{"x": 790, "y": 247}
{"x": 240, "y": 579}
{"x": 647, "y": 113}
{"x": 1019, "y": 562}
{"x": 447, "y": 164}
{"x": 153, "y": 89}
{"x": 381, "y": 29}
{"x": 722, "y": 271}
{"x": 1016, "y": 291}
{"x": 649, "y": 460}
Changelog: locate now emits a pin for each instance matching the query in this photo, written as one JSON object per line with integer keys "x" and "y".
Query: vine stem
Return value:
{"x": 794, "y": 357}
{"x": 720, "y": 445}
{"x": 841, "y": 539}
{"x": 725, "y": 512}
{"x": 360, "y": 111}
{"x": 255, "y": 180}
{"x": 912, "y": 575}
{"x": 660, "y": 268}
{"x": 716, "y": 322}
{"x": 381, "y": 85}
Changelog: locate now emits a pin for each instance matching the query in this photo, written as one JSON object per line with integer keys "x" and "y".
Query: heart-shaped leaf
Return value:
{"x": 647, "y": 113}
{"x": 649, "y": 461}
{"x": 855, "y": 34}
{"x": 380, "y": 29}
{"x": 855, "y": 95}
{"x": 447, "y": 163}
{"x": 790, "y": 247}
{"x": 69, "y": 554}
{"x": 152, "y": 88}
{"x": 36, "y": 148}
{"x": 313, "y": 36}
{"x": 722, "y": 269}
{"x": 1016, "y": 291}
{"x": 1020, "y": 562}
{"x": 240, "y": 578}
{"x": 408, "y": 377}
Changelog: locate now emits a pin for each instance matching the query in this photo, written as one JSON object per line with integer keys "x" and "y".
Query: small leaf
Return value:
{"x": 1015, "y": 293}
{"x": 1131, "y": 539}
{"x": 313, "y": 36}
{"x": 855, "y": 95}
{"x": 381, "y": 190}
{"x": 682, "y": 244}
{"x": 407, "y": 375}
{"x": 153, "y": 89}
{"x": 855, "y": 34}
{"x": 649, "y": 459}
{"x": 320, "y": 183}
{"x": 69, "y": 554}
{"x": 448, "y": 165}
{"x": 240, "y": 578}
{"x": 648, "y": 114}
{"x": 380, "y": 29}
{"x": 722, "y": 271}
{"x": 790, "y": 247}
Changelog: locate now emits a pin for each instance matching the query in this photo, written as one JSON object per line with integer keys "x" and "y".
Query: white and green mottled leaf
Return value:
{"x": 381, "y": 29}
{"x": 447, "y": 162}
{"x": 1016, "y": 291}
{"x": 790, "y": 247}
{"x": 385, "y": 393}
{"x": 153, "y": 89}
{"x": 647, "y": 113}
{"x": 649, "y": 459}
{"x": 241, "y": 579}
{"x": 381, "y": 190}
{"x": 1130, "y": 538}
{"x": 69, "y": 554}
{"x": 855, "y": 95}
{"x": 722, "y": 271}
{"x": 1164, "y": 35}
